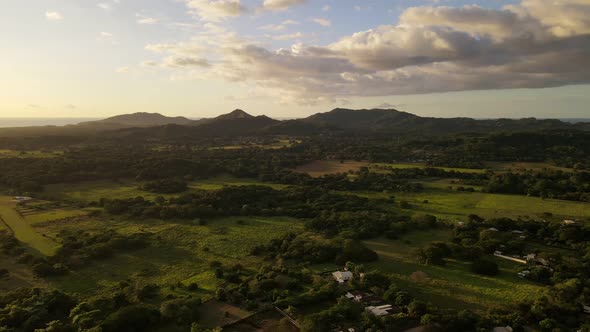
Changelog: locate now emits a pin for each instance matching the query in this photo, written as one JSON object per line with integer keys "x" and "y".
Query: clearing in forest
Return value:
{"x": 451, "y": 285}
{"x": 22, "y": 229}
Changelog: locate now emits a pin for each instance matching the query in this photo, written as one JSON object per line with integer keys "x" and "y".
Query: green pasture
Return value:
{"x": 89, "y": 191}
{"x": 22, "y": 229}
{"x": 53, "y": 215}
{"x": 5, "y": 153}
{"x": 456, "y": 205}
{"x": 451, "y": 285}
{"x": 180, "y": 252}
{"x": 227, "y": 180}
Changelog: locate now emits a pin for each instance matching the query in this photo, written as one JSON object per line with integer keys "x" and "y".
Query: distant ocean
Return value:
{"x": 29, "y": 122}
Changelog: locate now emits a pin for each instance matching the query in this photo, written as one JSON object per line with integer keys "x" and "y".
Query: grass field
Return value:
{"x": 52, "y": 215}
{"x": 4, "y": 153}
{"x": 22, "y": 229}
{"x": 456, "y": 205}
{"x": 226, "y": 180}
{"x": 20, "y": 275}
{"x": 451, "y": 285}
{"x": 279, "y": 144}
{"x": 319, "y": 168}
{"x": 179, "y": 252}
{"x": 214, "y": 313}
{"x": 515, "y": 166}
{"x": 95, "y": 190}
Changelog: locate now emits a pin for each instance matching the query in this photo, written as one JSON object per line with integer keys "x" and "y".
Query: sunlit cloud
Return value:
{"x": 281, "y": 4}
{"x": 53, "y": 16}
{"x": 322, "y": 21}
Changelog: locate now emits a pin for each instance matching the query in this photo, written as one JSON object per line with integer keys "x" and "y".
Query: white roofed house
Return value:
{"x": 342, "y": 276}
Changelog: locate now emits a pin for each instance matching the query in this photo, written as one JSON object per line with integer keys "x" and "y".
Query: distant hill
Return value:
{"x": 236, "y": 122}
{"x": 394, "y": 121}
{"x": 340, "y": 120}
{"x": 140, "y": 119}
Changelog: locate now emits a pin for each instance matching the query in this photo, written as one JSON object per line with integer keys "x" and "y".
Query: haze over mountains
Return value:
{"x": 239, "y": 122}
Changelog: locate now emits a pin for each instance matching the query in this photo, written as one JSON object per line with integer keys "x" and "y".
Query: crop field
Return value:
{"x": 22, "y": 230}
{"x": 454, "y": 284}
{"x": 179, "y": 252}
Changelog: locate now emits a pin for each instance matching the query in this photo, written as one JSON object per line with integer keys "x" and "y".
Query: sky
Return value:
{"x": 293, "y": 58}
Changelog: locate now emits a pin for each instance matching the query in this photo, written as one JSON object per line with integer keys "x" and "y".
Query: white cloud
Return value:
{"x": 281, "y": 4}
{"x": 104, "y": 6}
{"x": 215, "y": 10}
{"x": 106, "y": 34}
{"x": 326, "y": 8}
{"x": 53, "y": 16}
{"x": 279, "y": 27}
{"x": 180, "y": 61}
{"x": 122, "y": 70}
{"x": 322, "y": 21}
{"x": 143, "y": 19}
{"x": 433, "y": 49}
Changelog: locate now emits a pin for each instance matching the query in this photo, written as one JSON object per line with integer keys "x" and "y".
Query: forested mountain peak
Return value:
{"x": 235, "y": 114}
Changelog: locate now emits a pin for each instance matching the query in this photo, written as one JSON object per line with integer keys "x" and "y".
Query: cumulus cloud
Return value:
{"x": 53, "y": 16}
{"x": 215, "y": 10}
{"x": 534, "y": 44}
{"x": 180, "y": 61}
{"x": 281, "y": 4}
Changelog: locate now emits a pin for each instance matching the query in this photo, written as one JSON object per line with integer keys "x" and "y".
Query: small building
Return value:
{"x": 380, "y": 311}
{"x": 493, "y": 229}
{"x": 342, "y": 276}
{"x": 523, "y": 274}
{"x": 362, "y": 297}
{"x": 502, "y": 329}
{"x": 22, "y": 198}
{"x": 569, "y": 222}
{"x": 586, "y": 309}
{"x": 518, "y": 232}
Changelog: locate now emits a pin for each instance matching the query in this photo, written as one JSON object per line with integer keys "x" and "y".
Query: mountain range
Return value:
{"x": 238, "y": 122}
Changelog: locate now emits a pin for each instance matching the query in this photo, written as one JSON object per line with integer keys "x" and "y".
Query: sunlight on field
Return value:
{"x": 180, "y": 251}
{"x": 453, "y": 284}
{"x": 4, "y": 153}
{"x": 319, "y": 168}
{"x": 452, "y": 204}
{"x": 22, "y": 229}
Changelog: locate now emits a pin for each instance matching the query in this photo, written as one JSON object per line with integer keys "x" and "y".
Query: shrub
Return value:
{"x": 485, "y": 267}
